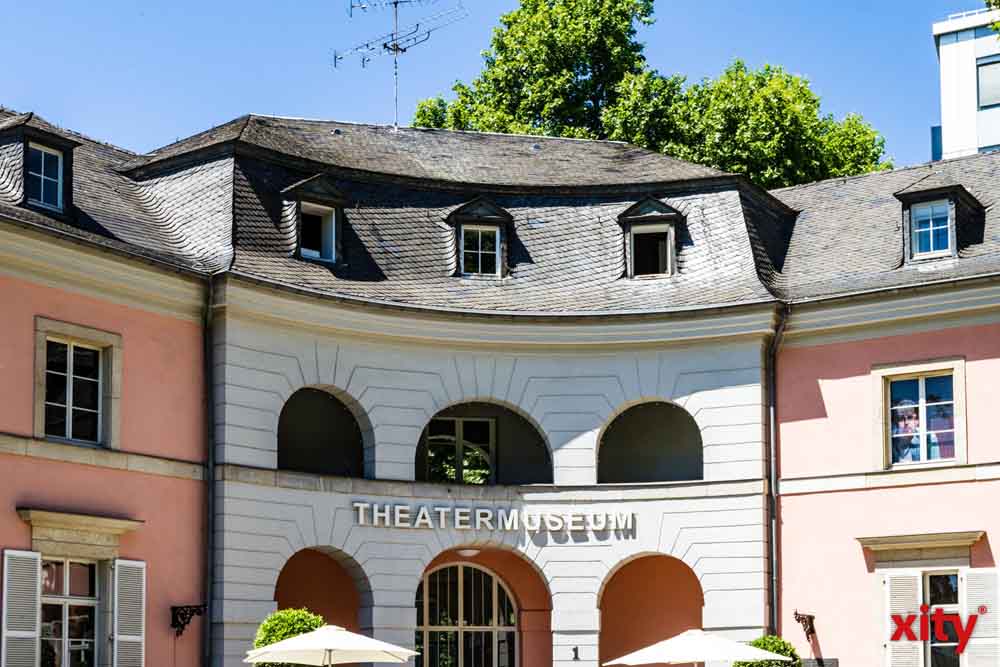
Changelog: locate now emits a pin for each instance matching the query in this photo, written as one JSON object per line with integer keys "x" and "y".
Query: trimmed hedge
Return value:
{"x": 283, "y": 624}
{"x": 774, "y": 644}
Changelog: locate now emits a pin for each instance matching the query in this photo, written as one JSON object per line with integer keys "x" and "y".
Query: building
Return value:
{"x": 969, "y": 55}
{"x": 102, "y": 426}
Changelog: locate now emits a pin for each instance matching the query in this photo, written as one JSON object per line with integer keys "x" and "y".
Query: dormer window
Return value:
{"x": 482, "y": 233}
{"x": 318, "y": 232}
{"x": 480, "y": 250}
{"x": 931, "y": 229}
{"x": 650, "y": 228}
{"x": 45, "y": 176}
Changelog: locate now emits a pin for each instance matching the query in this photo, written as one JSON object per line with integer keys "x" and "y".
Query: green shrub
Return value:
{"x": 774, "y": 644}
{"x": 283, "y": 624}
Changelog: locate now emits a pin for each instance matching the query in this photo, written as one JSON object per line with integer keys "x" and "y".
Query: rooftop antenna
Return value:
{"x": 400, "y": 40}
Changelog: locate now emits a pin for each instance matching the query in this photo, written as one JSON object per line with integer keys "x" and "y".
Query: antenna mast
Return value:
{"x": 399, "y": 40}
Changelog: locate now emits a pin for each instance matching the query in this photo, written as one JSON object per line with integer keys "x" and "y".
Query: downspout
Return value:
{"x": 208, "y": 357}
{"x": 772, "y": 460}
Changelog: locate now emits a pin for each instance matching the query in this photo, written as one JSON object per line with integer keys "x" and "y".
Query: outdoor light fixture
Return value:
{"x": 468, "y": 553}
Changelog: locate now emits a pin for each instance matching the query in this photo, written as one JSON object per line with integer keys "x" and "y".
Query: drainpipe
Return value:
{"x": 208, "y": 356}
{"x": 772, "y": 460}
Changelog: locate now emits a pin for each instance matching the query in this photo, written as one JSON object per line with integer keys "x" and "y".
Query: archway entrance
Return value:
{"x": 648, "y": 599}
{"x": 483, "y": 607}
{"x": 314, "y": 580}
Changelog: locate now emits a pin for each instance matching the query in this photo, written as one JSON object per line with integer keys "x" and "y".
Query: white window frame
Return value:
{"x": 882, "y": 375}
{"x": 426, "y": 628}
{"x": 66, "y": 600}
{"x": 461, "y": 249}
{"x": 658, "y": 228}
{"x": 328, "y": 233}
{"x": 460, "y": 444}
{"x": 58, "y": 181}
{"x": 70, "y": 346}
{"x": 947, "y": 251}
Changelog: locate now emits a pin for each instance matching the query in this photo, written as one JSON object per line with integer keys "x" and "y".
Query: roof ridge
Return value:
{"x": 31, "y": 114}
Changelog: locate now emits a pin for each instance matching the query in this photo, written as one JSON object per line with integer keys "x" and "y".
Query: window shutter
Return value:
{"x": 902, "y": 596}
{"x": 338, "y": 235}
{"x": 22, "y": 608}
{"x": 503, "y": 232}
{"x": 981, "y": 590}
{"x": 130, "y": 613}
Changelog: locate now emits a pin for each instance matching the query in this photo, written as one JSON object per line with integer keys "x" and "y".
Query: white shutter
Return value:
{"x": 981, "y": 589}
{"x": 903, "y": 596}
{"x": 130, "y": 613}
{"x": 22, "y": 608}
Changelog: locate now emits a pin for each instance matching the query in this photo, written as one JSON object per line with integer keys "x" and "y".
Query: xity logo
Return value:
{"x": 904, "y": 626}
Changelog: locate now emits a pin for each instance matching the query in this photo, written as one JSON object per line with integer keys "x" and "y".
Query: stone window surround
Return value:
{"x": 111, "y": 348}
{"x": 67, "y": 535}
{"x": 881, "y": 375}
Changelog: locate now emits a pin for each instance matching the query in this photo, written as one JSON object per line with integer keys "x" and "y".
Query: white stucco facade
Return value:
{"x": 569, "y": 382}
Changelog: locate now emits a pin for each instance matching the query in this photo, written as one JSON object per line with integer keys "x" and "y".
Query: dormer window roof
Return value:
{"x": 650, "y": 228}
{"x": 482, "y": 233}
{"x": 941, "y": 217}
{"x": 320, "y": 213}
{"x": 46, "y": 155}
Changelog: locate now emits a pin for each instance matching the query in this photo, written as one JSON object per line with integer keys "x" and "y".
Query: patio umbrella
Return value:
{"x": 695, "y": 646}
{"x": 329, "y": 645}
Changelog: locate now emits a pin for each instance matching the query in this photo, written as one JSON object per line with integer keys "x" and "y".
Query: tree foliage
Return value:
{"x": 774, "y": 644}
{"x": 283, "y": 624}
{"x": 573, "y": 68}
{"x": 994, "y": 4}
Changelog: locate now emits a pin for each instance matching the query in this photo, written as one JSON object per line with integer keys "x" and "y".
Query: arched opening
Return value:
{"x": 483, "y": 607}
{"x": 482, "y": 443}
{"x": 651, "y": 442}
{"x": 316, "y": 581}
{"x": 647, "y": 600}
{"x": 317, "y": 433}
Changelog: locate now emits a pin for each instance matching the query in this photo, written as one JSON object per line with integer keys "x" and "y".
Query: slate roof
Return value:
{"x": 848, "y": 237}
{"x": 442, "y": 155}
{"x": 213, "y": 203}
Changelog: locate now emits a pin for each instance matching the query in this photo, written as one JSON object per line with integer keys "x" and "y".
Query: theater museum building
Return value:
{"x": 506, "y": 399}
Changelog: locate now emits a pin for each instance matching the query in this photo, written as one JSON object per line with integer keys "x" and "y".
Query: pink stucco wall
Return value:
{"x": 825, "y": 406}
{"x": 162, "y": 415}
{"x": 171, "y": 541}
{"x": 162, "y": 383}
{"x": 825, "y": 397}
{"x": 824, "y": 571}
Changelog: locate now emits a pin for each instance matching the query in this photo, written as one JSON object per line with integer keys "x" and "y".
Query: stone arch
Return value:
{"x": 323, "y": 430}
{"x": 328, "y": 582}
{"x": 522, "y": 453}
{"x": 637, "y": 452}
{"x": 526, "y": 584}
{"x": 646, "y": 598}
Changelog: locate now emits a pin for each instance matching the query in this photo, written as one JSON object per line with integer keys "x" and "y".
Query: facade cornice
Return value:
{"x": 895, "y": 312}
{"x": 38, "y": 257}
{"x": 878, "y": 479}
{"x": 248, "y": 300}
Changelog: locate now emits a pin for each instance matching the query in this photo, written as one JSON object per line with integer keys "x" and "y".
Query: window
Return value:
{"x": 461, "y": 450}
{"x": 922, "y": 419}
{"x": 989, "y": 82}
{"x": 317, "y": 239}
{"x": 931, "y": 229}
{"x": 480, "y": 250}
{"x": 72, "y": 391}
{"x": 45, "y": 177}
{"x": 941, "y": 592}
{"x": 465, "y": 618}
{"x": 69, "y": 613}
{"x": 652, "y": 250}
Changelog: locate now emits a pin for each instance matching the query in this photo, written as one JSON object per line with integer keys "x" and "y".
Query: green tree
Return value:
{"x": 994, "y": 4}
{"x": 774, "y": 644}
{"x": 573, "y": 68}
{"x": 767, "y": 124}
{"x": 283, "y": 624}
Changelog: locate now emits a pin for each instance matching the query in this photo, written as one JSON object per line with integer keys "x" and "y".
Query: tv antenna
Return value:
{"x": 400, "y": 40}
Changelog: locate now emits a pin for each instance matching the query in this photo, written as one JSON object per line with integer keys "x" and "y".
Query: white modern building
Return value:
{"x": 969, "y": 55}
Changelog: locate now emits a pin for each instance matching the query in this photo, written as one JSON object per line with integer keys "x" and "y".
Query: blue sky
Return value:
{"x": 142, "y": 74}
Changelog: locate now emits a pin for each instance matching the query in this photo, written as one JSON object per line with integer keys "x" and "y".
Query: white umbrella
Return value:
{"x": 695, "y": 646}
{"x": 329, "y": 645}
